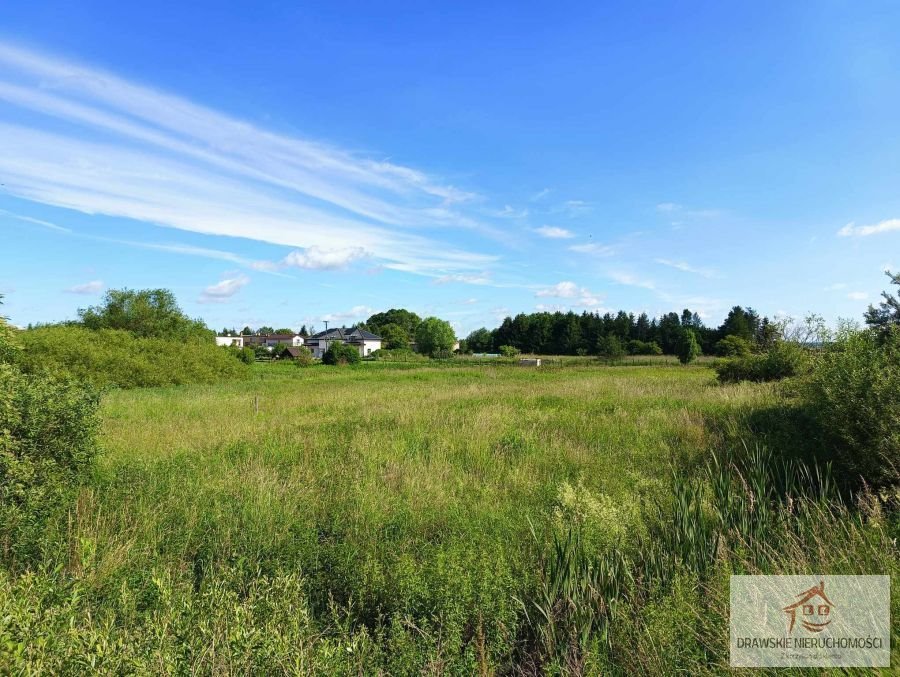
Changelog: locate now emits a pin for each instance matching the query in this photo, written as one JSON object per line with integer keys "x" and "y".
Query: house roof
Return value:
{"x": 293, "y": 351}
{"x": 344, "y": 334}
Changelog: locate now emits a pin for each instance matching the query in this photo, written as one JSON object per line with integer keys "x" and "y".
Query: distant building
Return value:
{"x": 364, "y": 341}
{"x": 230, "y": 341}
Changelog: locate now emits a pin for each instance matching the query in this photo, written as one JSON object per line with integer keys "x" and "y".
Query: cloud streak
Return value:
{"x": 224, "y": 290}
{"x": 92, "y": 287}
{"x": 686, "y": 267}
{"x": 100, "y": 144}
{"x": 886, "y": 226}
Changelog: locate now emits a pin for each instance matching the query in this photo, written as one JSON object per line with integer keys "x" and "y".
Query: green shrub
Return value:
{"x": 341, "y": 353}
{"x": 783, "y": 360}
{"x": 398, "y": 355}
{"x": 610, "y": 347}
{"x": 508, "y": 351}
{"x": 636, "y": 347}
{"x": 304, "y": 357}
{"x": 733, "y": 346}
{"x": 687, "y": 347}
{"x": 47, "y": 439}
{"x": 853, "y": 394}
{"x": 112, "y": 357}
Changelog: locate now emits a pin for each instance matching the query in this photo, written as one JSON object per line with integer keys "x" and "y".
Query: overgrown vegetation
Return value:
{"x": 340, "y": 353}
{"x": 113, "y": 357}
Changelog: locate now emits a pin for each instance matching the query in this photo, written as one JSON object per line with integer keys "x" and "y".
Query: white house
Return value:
{"x": 230, "y": 341}
{"x": 364, "y": 341}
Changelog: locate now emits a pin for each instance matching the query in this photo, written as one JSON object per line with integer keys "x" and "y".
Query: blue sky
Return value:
{"x": 284, "y": 165}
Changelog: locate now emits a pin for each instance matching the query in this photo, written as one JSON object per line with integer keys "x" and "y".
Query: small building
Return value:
{"x": 272, "y": 340}
{"x": 237, "y": 341}
{"x": 289, "y": 353}
{"x": 364, "y": 341}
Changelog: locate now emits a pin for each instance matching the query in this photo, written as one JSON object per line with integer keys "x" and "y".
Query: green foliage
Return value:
{"x": 148, "y": 313}
{"x": 405, "y": 319}
{"x": 341, "y": 353}
{"x": 394, "y": 336}
{"x": 434, "y": 335}
{"x": 508, "y": 351}
{"x": 610, "y": 347}
{"x": 47, "y": 439}
{"x": 9, "y": 341}
{"x": 399, "y": 355}
{"x": 638, "y": 347}
{"x": 245, "y": 354}
{"x": 887, "y": 313}
{"x": 109, "y": 357}
{"x": 783, "y": 360}
{"x": 284, "y": 330}
{"x": 733, "y": 346}
{"x": 853, "y": 394}
{"x": 687, "y": 347}
{"x": 304, "y": 357}
{"x": 480, "y": 341}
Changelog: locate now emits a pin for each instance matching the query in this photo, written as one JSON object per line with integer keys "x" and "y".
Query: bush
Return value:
{"x": 508, "y": 351}
{"x": 636, "y": 347}
{"x": 304, "y": 357}
{"x": 112, "y": 357}
{"x": 783, "y": 360}
{"x": 245, "y": 354}
{"x": 434, "y": 336}
{"x": 341, "y": 353}
{"x": 733, "y": 346}
{"x": 687, "y": 347}
{"x": 853, "y": 395}
{"x": 48, "y": 428}
{"x": 399, "y": 355}
{"x": 610, "y": 347}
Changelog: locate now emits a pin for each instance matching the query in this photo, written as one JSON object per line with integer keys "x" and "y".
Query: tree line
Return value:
{"x": 595, "y": 334}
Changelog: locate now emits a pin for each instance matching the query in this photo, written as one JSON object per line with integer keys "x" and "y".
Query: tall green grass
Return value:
{"x": 447, "y": 520}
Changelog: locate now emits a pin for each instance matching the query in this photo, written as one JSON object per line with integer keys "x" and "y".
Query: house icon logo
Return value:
{"x": 813, "y": 609}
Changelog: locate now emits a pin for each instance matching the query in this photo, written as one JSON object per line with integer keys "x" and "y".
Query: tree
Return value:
{"x": 147, "y": 313}
{"x": 399, "y": 316}
{"x": 303, "y": 332}
{"x": 480, "y": 341}
{"x": 687, "y": 347}
{"x": 733, "y": 346}
{"x": 888, "y": 311}
{"x": 341, "y": 353}
{"x": 610, "y": 347}
{"x": 394, "y": 337}
{"x": 283, "y": 331}
{"x": 265, "y": 329}
{"x": 434, "y": 335}
{"x": 247, "y": 331}
{"x": 738, "y": 323}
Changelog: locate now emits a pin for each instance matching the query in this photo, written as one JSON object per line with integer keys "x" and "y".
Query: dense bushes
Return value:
{"x": 637, "y": 347}
{"x": 853, "y": 395}
{"x": 733, "y": 346}
{"x": 399, "y": 355}
{"x": 783, "y": 360}
{"x": 47, "y": 432}
{"x": 111, "y": 357}
{"x": 341, "y": 353}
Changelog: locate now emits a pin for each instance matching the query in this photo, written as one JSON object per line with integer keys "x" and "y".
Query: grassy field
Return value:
{"x": 378, "y": 519}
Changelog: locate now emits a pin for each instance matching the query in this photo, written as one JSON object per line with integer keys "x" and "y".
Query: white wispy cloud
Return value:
{"x": 554, "y": 232}
{"x": 38, "y": 222}
{"x": 858, "y": 295}
{"x": 594, "y": 248}
{"x": 509, "y": 212}
{"x": 317, "y": 258}
{"x": 127, "y": 150}
{"x": 224, "y": 290}
{"x": 886, "y": 226}
{"x": 686, "y": 267}
{"x": 92, "y": 287}
{"x": 540, "y": 195}
{"x": 632, "y": 280}
{"x": 668, "y": 207}
{"x": 467, "y": 278}
{"x": 575, "y": 295}
{"x": 355, "y": 313}
{"x": 837, "y": 286}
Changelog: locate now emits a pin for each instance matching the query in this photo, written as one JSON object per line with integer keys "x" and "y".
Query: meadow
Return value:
{"x": 392, "y": 519}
